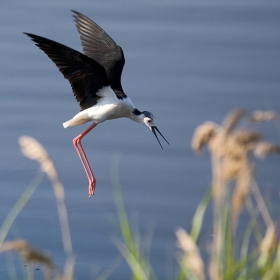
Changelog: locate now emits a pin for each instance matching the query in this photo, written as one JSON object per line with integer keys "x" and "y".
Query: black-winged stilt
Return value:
{"x": 95, "y": 78}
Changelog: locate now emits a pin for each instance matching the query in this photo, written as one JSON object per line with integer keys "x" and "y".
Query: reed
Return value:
{"x": 231, "y": 146}
{"x": 32, "y": 149}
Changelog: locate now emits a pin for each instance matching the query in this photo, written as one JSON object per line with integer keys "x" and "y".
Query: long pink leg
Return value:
{"x": 77, "y": 142}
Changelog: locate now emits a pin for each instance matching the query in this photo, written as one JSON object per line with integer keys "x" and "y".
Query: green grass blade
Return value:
{"x": 19, "y": 205}
{"x": 139, "y": 265}
{"x": 11, "y": 266}
{"x": 199, "y": 215}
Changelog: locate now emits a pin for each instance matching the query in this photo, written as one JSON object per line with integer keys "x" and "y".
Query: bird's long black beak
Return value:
{"x": 154, "y": 129}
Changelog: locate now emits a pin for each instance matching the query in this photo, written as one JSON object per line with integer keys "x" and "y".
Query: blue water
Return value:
{"x": 187, "y": 62}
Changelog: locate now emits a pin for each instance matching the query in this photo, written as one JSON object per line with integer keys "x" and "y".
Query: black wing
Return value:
{"x": 85, "y": 75}
{"x": 99, "y": 46}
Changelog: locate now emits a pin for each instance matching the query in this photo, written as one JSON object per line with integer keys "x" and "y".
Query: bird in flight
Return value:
{"x": 95, "y": 78}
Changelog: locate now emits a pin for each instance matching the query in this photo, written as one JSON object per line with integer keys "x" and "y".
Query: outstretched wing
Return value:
{"x": 99, "y": 46}
{"x": 85, "y": 75}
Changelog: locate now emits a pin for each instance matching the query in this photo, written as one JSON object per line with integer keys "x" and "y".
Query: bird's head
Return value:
{"x": 149, "y": 120}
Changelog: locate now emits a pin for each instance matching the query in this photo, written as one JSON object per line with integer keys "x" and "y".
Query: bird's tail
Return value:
{"x": 68, "y": 123}
{"x": 77, "y": 120}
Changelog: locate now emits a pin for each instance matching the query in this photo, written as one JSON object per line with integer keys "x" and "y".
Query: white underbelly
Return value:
{"x": 99, "y": 114}
{"x": 106, "y": 112}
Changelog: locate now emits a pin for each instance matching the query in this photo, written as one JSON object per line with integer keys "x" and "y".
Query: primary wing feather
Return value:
{"x": 99, "y": 46}
{"x": 85, "y": 75}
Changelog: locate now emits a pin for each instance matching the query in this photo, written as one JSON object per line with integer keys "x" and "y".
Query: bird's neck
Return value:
{"x": 136, "y": 116}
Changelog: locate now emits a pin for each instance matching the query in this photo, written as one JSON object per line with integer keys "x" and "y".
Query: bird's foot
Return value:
{"x": 91, "y": 188}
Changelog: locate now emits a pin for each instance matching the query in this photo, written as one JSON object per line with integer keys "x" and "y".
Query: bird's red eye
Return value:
{"x": 149, "y": 121}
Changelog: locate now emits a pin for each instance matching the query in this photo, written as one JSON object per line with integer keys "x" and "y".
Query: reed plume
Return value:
{"x": 231, "y": 146}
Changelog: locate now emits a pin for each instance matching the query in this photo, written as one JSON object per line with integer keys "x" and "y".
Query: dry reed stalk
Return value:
{"x": 263, "y": 116}
{"x": 268, "y": 248}
{"x": 269, "y": 242}
{"x": 241, "y": 192}
{"x": 230, "y": 147}
{"x": 32, "y": 149}
{"x": 262, "y": 149}
{"x": 203, "y": 134}
{"x": 232, "y": 119}
{"x": 191, "y": 258}
{"x": 32, "y": 256}
{"x": 261, "y": 203}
